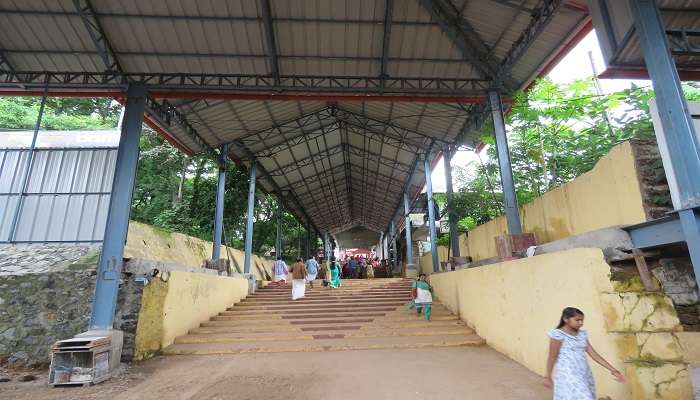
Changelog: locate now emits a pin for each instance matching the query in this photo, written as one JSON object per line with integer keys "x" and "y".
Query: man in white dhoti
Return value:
{"x": 298, "y": 279}
{"x": 311, "y": 270}
{"x": 280, "y": 271}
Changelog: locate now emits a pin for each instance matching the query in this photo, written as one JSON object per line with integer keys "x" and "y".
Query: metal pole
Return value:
{"x": 219, "y": 212}
{"x": 117, "y": 226}
{"x": 394, "y": 257}
{"x": 278, "y": 231}
{"x": 381, "y": 246}
{"x": 409, "y": 243}
{"x": 308, "y": 241}
{"x": 431, "y": 214}
{"x": 326, "y": 247}
{"x": 454, "y": 234}
{"x": 509, "y": 198}
{"x": 249, "y": 223}
{"x": 678, "y": 137}
{"x": 25, "y": 175}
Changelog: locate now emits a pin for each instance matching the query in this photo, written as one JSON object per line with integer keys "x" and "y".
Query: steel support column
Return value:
{"x": 394, "y": 256}
{"x": 407, "y": 228}
{"x": 326, "y": 248}
{"x": 249, "y": 222}
{"x": 509, "y": 198}
{"x": 381, "y": 246}
{"x": 116, "y": 228}
{"x": 25, "y": 175}
{"x": 219, "y": 212}
{"x": 431, "y": 214}
{"x": 678, "y": 136}
{"x": 454, "y": 234}
{"x": 278, "y": 231}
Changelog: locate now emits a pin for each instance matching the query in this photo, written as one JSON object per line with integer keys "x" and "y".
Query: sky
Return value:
{"x": 576, "y": 65}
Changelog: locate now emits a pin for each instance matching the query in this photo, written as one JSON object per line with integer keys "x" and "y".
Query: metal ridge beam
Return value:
{"x": 462, "y": 35}
{"x": 271, "y": 43}
{"x": 543, "y": 15}
{"x": 231, "y": 86}
{"x": 97, "y": 34}
{"x": 386, "y": 40}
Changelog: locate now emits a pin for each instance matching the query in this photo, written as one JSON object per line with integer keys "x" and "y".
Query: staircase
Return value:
{"x": 362, "y": 314}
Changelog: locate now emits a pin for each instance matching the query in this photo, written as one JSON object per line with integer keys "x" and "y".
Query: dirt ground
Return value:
{"x": 439, "y": 373}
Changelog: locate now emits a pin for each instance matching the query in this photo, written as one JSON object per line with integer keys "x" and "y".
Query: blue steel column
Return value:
{"x": 278, "y": 230}
{"x": 117, "y": 225}
{"x": 326, "y": 247}
{"x": 454, "y": 234}
{"x": 409, "y": 243}
{"x": 431, "y": 214}
{"x": 394, "y": 258}
{"x": 249, "y": 223}
{"x": 25, "y": 175}
{"x": 680, "y": 137}
{"x": 509, "y": 198}
{"x": 219, "y": 213}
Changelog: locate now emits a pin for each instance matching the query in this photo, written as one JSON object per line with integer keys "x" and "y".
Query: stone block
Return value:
{"x": 639, "y": 312}
{"x": 652, "y": 347}
{"x": 668, "y": 381}
{"x": 678, "y": 280}
{"x": 509, "y": 246}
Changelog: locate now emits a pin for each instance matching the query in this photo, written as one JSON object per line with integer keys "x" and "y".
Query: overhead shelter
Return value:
{"x": 336, "y": 100}
{"x": 338, "y": 107}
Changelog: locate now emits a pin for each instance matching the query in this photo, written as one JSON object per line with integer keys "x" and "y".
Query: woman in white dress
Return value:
{"x": 568, "y": 346}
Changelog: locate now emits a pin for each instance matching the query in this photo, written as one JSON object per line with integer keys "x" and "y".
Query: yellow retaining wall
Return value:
{"x": 513, "y": 304}
{"x": 171, "y": 306}
{"x": 150, "y": 243}
{"x": 607, "y": 195}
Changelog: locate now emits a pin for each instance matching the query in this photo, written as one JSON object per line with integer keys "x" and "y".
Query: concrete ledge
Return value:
{"x": 176, "y": 301}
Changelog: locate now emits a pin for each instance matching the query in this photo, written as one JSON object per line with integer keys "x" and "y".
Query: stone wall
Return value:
{"x": 46, "y": 295}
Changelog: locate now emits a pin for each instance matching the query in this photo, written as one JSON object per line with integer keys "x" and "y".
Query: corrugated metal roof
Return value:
{"x": 344, "y": 162}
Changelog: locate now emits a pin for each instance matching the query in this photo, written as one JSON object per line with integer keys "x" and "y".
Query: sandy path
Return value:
{"x": 440, "y": 373}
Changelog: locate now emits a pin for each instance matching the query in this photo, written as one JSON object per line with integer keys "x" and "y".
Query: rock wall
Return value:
{"x": 46, "y": 295}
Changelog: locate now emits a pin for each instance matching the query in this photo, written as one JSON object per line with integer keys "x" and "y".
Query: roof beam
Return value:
{"x": 162, "y": 113}
{"x": 271, "y": 48}
{"x": 97, "y": 34}
{"x": 5, "y": 64}
{"x": 462, "y": 35}
{"x": 258, "y": 87}
{"x": 386, "y": 41}
{"x": 276, "y": 187}
{"x": 290, "y": 125}
{"x": 543, "y": 14}
{"x": 386, "y": 128}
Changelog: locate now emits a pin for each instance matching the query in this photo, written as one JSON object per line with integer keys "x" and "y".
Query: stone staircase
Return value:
{"x": 362, "y": 314}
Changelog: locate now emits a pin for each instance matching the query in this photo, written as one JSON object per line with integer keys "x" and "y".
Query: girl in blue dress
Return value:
{"x": 568, "y": 346}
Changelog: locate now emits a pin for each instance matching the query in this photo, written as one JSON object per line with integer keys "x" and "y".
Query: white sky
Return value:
{"x": 575, "y": 65}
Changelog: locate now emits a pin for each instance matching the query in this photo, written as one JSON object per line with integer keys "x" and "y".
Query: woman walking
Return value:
{"x": 335, "y": 274}
{"x": 568, "y": 346}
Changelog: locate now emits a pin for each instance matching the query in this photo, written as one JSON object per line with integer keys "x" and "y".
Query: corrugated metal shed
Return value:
{"x": 66, "y": 198}
{"x": 337, "y": 100}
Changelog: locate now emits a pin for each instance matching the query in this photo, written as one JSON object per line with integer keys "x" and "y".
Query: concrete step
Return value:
{"x": 417, "y": 323}
{"x": 364, "y": 321}
{"x": 355, "y": 300}
{"x": 358, "y": 333}
{"x": 232, "y": 316}
{"x": 301, "y": 306}
{"x": 301, "y": 319}
{"x": 337, "y": 343}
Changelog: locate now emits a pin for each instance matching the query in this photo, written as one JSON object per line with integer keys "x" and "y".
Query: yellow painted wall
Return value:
{"x": 150, "y": 243}
{"x": 512, "y": 305}
{"x": 180, "y": 301}
{"x": 607, "y": 195}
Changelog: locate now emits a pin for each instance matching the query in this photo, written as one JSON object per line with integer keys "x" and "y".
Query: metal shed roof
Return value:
{"x": 337, "y": 100}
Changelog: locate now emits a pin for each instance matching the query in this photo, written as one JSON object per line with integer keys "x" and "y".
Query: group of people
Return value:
{"x": 304, "y": 273}
{"x": 358, "y": 267}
